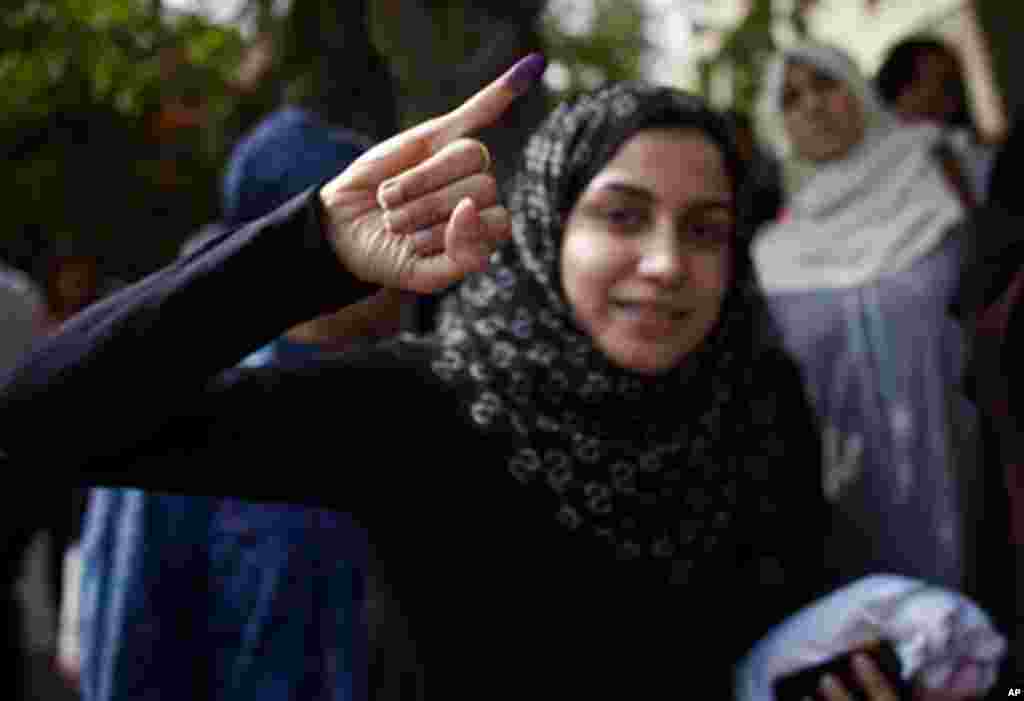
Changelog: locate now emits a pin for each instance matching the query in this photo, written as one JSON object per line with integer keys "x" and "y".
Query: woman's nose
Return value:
{"x": 665, "y": 258}
{"x": 811, "y": 100}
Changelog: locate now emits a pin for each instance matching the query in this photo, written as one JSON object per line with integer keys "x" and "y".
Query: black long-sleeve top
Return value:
{"x": 140, "y": 390}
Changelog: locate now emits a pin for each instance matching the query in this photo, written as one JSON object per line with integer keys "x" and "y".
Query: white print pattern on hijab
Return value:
{"x": 653, "y": 467}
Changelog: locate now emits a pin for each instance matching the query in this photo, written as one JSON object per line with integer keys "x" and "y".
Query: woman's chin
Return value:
{"x": 644, "y": 358}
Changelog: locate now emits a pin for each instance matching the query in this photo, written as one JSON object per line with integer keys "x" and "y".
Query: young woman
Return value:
{"x": 594, "y": 479}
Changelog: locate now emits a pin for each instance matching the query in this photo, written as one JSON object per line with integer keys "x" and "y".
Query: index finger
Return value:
{"x": 408, "y": 148}
{"x": 486, "y": 106}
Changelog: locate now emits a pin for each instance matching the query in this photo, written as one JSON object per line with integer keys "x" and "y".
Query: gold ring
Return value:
{"x": 487, "y": 155}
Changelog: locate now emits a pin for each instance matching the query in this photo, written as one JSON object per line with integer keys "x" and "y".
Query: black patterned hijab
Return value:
{"x": 649, "y": 464}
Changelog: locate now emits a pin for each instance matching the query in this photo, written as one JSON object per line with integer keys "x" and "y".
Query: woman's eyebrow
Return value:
{"x": 626, "y": 189}
{"x": 707, "y": 205}
{"x": 699, "y": 206}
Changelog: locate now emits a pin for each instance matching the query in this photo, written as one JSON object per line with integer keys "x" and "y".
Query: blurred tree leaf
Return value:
{"x": 744, "y": 51}
{"x": 92, "y": 95}
{"x": 611, "y": 45}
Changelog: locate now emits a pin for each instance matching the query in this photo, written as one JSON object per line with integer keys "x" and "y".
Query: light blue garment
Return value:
{"x": 143, "y": 563}
{"x": 882, "y": 363}
{"x": 196, "y": 597}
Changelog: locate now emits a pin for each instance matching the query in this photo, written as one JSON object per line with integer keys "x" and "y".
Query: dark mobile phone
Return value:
{"x": 803, "y": 684}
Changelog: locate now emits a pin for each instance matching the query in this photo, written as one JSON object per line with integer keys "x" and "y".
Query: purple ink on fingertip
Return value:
{"x": 528, "y": 71}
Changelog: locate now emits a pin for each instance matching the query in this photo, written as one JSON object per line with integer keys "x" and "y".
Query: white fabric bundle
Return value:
{"x": 942, "y": 638}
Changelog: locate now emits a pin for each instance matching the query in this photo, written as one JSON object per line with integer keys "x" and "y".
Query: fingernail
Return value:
{"x": 484, "y": 250}
{"x": 525, "y": 73}
{"x": 421, "y": 239}
{"x": 387, "y": 194}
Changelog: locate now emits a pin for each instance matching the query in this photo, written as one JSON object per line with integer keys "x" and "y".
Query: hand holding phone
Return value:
{"x": 871, "y": 681}
{"x": 872, "y": 672}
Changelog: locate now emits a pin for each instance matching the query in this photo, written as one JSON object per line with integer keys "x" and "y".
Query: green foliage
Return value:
{"x": 744, "y": 52}
{"x": 95, "y": 98}
{"x": 611, "y": 49}
{"x": 83, "y": 87}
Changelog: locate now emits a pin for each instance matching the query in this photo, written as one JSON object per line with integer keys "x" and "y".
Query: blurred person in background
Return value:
{"x": 277, "y": 593}
{"x": 922, "y": 80}
{"x": 280, "y": 591}
{"x": 858, "y": 272}
{"x": 22, "y": 321}
{"x": 23, "y": 313}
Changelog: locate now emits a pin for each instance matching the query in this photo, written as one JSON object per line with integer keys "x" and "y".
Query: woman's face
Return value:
{"x": 647, "y": 249}
{"x": 932, "y": 95}
{"x": 822, "y": 116}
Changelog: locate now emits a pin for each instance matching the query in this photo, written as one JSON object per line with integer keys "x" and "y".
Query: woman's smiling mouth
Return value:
{"x": 648, "y": 312}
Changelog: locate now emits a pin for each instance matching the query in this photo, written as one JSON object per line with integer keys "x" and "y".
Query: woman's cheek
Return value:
{"x": 713, "y": 272}
{"x": 591, "y": 267}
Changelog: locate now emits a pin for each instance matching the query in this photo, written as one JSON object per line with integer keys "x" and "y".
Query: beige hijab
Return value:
{"x": 877, "y": 210}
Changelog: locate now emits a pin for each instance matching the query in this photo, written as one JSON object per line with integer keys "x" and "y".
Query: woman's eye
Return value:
{"x": 709, "y": 233}
{"x": 625, "y": 217}
{"x": 824, "y": 83}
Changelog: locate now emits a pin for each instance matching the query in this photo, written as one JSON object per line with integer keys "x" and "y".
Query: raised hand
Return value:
{"x": 419, "y": 211}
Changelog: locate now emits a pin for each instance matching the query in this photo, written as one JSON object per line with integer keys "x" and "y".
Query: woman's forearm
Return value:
{"x": 118, "y": 370}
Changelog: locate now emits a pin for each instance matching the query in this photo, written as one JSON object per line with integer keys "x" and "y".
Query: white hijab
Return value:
{"x": 876, "y": 210}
